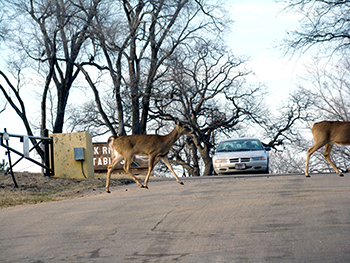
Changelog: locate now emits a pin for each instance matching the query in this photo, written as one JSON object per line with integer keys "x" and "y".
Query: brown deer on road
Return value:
{"x": 156, "y": 147}
{"x": 326, "y": 133}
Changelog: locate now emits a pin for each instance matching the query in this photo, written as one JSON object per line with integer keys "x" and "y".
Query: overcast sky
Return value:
{"x": 258, "y": 27}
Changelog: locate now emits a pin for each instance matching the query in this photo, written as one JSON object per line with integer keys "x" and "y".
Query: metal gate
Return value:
{"x": 47, "y": 143}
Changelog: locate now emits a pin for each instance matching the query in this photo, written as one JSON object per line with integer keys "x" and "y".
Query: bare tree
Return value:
{"x": 290, "y": 160}
{"x": 327, "y": 86}
{"x": 283, "y": 126}
{"x": 4, "y": 108}
{"x": 133, "y": 38}
{"x": 206, "y": 87}
{"x": 3, "y": 29}
{"x": 12, "y": 95}
{"x": 53, "y": 38}
{"x": 87, "y": 117}
{"x": 324, "y": 24}
{"x": 137, "y": 48}
{"x": 3, "y": 32}
{"x": 323, "y": 94}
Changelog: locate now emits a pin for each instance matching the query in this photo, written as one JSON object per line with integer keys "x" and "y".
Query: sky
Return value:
{"x": 258, "y": 26}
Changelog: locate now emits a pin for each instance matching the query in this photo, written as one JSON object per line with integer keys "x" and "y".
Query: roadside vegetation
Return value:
{"x": 35, "y": 188}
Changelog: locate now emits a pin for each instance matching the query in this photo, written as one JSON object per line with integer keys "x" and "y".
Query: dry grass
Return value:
{"x": 36, "y": 188}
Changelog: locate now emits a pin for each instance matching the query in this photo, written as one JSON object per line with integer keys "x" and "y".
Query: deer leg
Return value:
{"x": 327, "y": 155}
{"x": 151, "y": 162}
{"x": 127, "y": 169}
{"x": 310, "y": 151}
{"x": 167, "y": 163}
{"x": 117, "y": 159}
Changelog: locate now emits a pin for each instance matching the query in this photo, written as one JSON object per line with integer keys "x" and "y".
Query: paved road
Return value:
{"x": 215, "y": 219}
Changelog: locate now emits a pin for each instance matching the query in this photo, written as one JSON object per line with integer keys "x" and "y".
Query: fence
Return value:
{"x": 48, "y": 163}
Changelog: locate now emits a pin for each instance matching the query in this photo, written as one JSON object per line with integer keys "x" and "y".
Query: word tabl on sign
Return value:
{"x": 102, "y": 158}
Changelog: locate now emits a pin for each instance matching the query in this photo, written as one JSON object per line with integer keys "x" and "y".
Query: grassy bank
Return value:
{"x": 36, "y": 188}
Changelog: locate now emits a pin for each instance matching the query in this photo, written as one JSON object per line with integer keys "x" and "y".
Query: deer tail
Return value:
{"x": 110, "y": 146}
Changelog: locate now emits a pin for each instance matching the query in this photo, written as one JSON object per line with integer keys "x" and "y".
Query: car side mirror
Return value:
{"x": 267, "y": 149}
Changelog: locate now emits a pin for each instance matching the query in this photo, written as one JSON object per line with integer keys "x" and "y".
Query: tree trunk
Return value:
{"x": 44, "y": 97}
{"x": 61, "y": 108}
{"x": 134, "y": 88}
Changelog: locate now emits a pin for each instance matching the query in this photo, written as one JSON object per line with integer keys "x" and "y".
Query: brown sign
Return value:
{"x": 102, "y": 158}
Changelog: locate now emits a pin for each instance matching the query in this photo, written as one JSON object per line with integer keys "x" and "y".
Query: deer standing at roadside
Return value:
{"x": 156, "y": 147}
{"x": 328, "y": 133}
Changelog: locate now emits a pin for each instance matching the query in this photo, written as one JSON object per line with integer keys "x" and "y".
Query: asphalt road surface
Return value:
{"x": 213, "y": 219}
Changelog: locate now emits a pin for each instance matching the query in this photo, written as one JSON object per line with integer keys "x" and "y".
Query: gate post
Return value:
{"x": 47, "y": 154}
{"x": 9, "y": 156}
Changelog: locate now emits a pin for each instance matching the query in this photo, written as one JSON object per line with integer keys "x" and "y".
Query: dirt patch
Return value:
{"x": 36, "y": 188}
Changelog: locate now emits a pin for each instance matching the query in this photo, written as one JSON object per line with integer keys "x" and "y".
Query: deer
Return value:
{"x": 328, "y": 133}
{"x": 156, "y": 147}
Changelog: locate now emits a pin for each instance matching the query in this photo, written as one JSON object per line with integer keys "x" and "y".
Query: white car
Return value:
{"x": 241, "y": 155}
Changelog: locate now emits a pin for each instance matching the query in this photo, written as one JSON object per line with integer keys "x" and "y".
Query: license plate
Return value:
{"x": 240, "y": 166}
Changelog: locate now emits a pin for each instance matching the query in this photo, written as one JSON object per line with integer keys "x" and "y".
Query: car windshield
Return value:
{"x": 240, "y": 145}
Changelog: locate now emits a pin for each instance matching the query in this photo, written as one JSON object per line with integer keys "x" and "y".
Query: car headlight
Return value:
{"x": 220, "y": 161}
{"x": 260, "y": 158}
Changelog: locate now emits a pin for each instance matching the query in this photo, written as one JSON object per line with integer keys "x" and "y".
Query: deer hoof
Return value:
{"x": 181, "y": 183}
{"x": 108, "y": 192}
{"x": 144, "y": 186}
{"x": 308, "y": 176}
{"x": 341, "y": 175}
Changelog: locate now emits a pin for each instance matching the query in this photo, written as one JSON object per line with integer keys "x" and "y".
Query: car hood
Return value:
{"x": 245, "y": 154}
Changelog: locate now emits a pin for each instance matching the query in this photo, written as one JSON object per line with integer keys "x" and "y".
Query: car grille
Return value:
{"x": 243, "y": 160}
